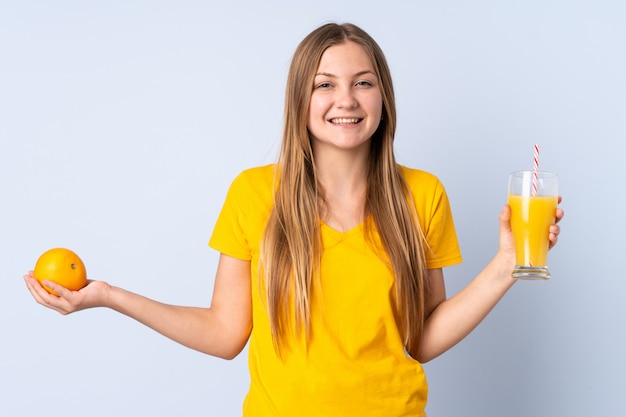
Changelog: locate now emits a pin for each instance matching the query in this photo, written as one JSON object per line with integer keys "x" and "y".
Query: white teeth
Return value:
{"x": 344, "y": 121}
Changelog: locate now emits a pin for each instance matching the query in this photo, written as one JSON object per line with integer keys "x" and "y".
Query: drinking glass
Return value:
{"x": 533, "y": 198}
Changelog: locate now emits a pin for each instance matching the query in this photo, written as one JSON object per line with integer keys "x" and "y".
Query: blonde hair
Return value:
{"x": 291, "y": 247}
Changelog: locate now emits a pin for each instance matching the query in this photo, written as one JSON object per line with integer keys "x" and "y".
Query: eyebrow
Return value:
{"x": 358, "y": 74}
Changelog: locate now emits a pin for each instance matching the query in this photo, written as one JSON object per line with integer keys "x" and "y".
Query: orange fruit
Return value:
{"x": 63, "y": 267}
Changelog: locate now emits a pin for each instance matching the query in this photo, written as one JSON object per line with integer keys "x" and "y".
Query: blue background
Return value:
{"x": 122, "y": 124}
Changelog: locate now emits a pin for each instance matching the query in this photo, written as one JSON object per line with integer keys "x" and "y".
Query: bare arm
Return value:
{"x": 220, "y": 330}
{"x": 448, "y": 321}
{"x": 455, "y": 318}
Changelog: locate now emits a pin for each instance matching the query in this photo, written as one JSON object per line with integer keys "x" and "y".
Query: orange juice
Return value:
{"x": 531, "y": 218}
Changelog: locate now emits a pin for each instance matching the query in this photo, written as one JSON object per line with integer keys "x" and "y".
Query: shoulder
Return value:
{"x": 418, "y": 180}
{"x": 260, "y": 177}
{"x": 252, "y": 189}
{"x": 263, "y": 173}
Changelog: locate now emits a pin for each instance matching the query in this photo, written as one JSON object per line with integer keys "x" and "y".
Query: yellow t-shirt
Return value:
{"x": 355, "y": 363}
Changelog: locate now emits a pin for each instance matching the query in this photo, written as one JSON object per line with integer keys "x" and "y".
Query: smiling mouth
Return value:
{"x": 345, "y": 121}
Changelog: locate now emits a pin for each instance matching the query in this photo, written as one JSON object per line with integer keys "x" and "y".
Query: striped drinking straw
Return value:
{"x": 535, "y": 169}
{"x": 535, "y": 175}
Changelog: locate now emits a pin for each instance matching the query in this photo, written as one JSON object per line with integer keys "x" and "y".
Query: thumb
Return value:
{"x": 506, "y": 234}
{"x": 505, "y": 219}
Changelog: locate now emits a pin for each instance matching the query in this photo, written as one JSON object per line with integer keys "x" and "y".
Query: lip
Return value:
{"x": 345, "y": 121}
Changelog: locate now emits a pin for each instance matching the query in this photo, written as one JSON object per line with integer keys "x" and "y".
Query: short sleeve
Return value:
{"x": 435, "y": 218}
{"x": 229, "y": 235}
{"x": 240, "y": 225}
{"x": 440, "y": 232}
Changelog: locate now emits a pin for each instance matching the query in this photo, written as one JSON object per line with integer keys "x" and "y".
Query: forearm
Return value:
{"x": 198, "y": 328}
{"x": 453, "y": 319}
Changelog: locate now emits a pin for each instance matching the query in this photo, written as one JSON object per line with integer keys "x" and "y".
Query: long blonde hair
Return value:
{"x": 291, "y": 247}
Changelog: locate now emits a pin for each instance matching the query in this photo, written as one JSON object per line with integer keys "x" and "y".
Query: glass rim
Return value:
{"x": 522, "y": 172}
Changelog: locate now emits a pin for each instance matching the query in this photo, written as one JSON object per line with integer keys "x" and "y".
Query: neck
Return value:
{"x": 342, "y": 173}
{"x": 343, "y": 179}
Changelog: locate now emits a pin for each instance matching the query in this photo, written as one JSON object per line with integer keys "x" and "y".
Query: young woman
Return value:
{"x": 331, "y": 259}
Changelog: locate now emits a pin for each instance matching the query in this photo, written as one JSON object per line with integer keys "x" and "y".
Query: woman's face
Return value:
{"x": 346, "y": 103}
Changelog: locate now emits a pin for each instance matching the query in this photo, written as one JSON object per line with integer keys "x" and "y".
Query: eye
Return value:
{"x": 364, "y": 83}
{"x": 323, "y": 85}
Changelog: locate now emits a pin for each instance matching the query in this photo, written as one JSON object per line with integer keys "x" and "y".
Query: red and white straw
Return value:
{"x": 535, "y": 169}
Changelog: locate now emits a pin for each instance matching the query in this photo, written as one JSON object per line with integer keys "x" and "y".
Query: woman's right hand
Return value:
{"x": 94, "y": 294}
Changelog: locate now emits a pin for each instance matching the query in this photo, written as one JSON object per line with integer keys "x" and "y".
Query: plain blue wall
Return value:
{"x": 123, "y": 123}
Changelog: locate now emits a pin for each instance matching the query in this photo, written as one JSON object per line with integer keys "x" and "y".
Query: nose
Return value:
{"x": 346, "y": 98}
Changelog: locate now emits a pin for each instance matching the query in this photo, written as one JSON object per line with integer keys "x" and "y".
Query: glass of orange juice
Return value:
{"x": 533, "y": 198}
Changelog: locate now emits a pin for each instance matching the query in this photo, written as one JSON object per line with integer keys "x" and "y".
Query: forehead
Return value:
{"x": 345, "y": 57}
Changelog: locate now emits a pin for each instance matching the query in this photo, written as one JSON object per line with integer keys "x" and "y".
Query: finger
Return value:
{"x": 61, "y": 291}
{"x": 505, "y": 220}
{"x": 505, "y": 214}
{"x": 33, "y": 285}
{"x": 65, "y": 301}
{"x": 554, "y": 235}
{"x": 505, "y": 225}
{"x": 559, "y": 214}
{"x": 555, "y": 229}
{"x": 39, "y": 293}
{"x": 553, "y": 240}
{"x": 30, "y": 286}
{"x": 44, "y": 297}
